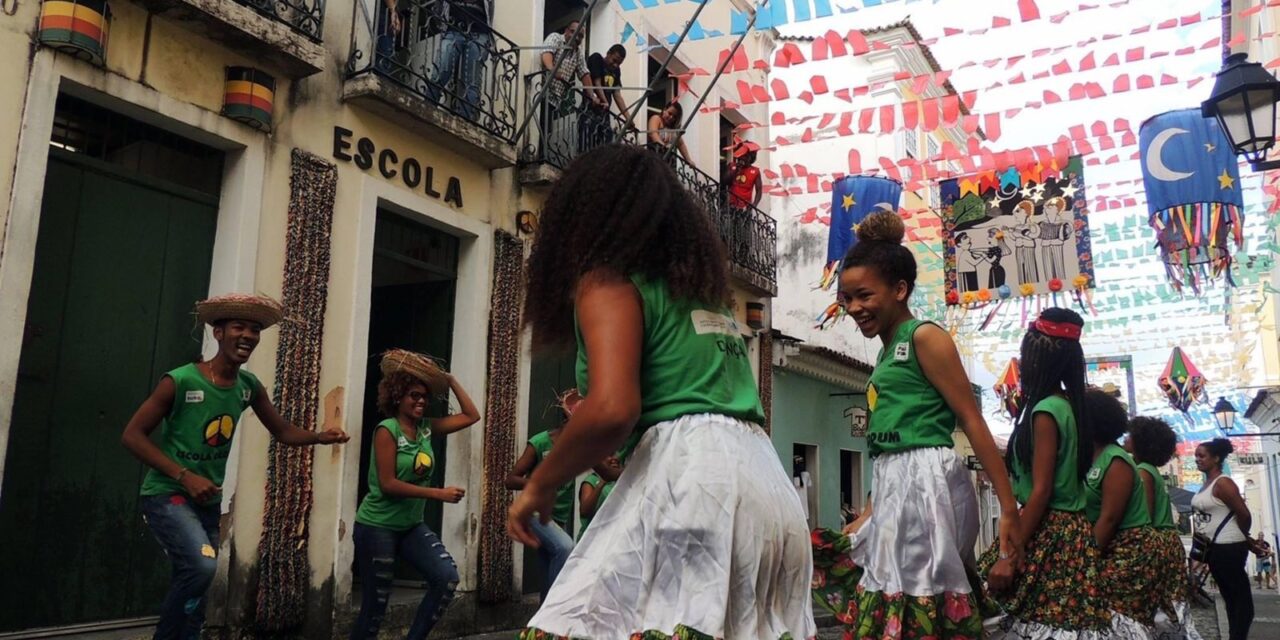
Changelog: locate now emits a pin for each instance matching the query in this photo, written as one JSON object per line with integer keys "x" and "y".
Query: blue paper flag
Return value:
{"x": 853, "y": 198}
{"x": 1186, "y": 159}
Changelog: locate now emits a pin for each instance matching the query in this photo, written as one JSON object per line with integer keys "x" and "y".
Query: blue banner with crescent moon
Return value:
{"x": 1185, "y": 160}
{"x": 853, "y": 198}
{"x": 1194, "y": 195}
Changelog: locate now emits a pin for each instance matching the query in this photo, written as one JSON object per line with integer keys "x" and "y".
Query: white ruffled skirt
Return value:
{"x": 703, "y": 532}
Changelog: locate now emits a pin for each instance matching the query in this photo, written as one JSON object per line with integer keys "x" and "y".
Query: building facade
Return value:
{"x": 340, "y": 156}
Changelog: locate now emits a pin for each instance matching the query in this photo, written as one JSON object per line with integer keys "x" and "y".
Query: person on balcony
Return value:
{"x": 745, "y": 189}
{"x": 664, "y": 129}
{"x": 464, "y": 47}
{"x": 563, "y": 64}
{"x": 595, "y": 128}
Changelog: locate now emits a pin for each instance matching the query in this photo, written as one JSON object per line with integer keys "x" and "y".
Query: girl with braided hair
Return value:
{"x": 1049, "y": 452}
{"x": 916, "y": 548}
{"x": 1152, "y": 443}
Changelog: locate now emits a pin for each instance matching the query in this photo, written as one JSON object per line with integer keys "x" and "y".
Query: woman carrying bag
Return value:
{"x": 1222, "y": 538}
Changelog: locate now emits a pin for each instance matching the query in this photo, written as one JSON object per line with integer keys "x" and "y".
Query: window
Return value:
{"x": 665, "y": 89}
{"x": 911, "y": 143}
{"x": 934, "y": 148}
{"x": 852, "y": 496}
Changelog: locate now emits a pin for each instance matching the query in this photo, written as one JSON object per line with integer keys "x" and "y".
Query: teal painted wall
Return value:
{"x": 804, "y": 412}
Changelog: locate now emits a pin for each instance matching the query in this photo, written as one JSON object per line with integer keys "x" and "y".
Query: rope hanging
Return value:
{"x": 284, "y": 573}
{"x": 496, "y": 573}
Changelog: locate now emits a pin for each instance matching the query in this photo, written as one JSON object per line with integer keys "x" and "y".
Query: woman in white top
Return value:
{"x": 1222, "y": 516}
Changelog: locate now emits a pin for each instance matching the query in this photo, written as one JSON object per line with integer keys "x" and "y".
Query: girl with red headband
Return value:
{"x": 916, "y": 549}
{"x": 1049, "y": 454}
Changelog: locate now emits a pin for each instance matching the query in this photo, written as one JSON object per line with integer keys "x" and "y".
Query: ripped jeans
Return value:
{"x": 188, "y": 533}
{"x": 376, "y": 551}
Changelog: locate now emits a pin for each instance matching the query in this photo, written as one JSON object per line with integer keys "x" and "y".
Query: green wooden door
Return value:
{"x": 119, "y": 262}
{"x": 550, "y": 374}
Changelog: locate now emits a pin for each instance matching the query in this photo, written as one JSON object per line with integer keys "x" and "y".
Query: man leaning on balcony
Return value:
{"x": 464, "y": 47}
{"x": 562, "y": 59}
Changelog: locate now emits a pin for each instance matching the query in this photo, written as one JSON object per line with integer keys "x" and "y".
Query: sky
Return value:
{"x": 1224, "y": 347}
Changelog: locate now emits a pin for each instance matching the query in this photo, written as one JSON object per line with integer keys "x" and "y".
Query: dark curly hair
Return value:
{"x": 620, "y": 208}
{"x": 1154, "y": 441}
{"x": 1051, "y": 365}
{"x": 1219, "y": 448}
{"x": 392, "y": 389}
{"x": 880, "y": 247}
{"x": 1107, "y": 416}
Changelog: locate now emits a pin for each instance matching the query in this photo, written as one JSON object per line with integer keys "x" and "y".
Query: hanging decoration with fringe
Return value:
{"x": 853, "y": 198}
{"x": 1194, "y": 197}
{"x": 1182, "y": 383}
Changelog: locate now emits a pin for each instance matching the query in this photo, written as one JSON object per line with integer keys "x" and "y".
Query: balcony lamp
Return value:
{"x": 1225, "y": 415}
{"x": 1244, "y": 101}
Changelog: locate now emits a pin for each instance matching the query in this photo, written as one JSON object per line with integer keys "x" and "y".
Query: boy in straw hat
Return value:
{"x": 197, "y": 407}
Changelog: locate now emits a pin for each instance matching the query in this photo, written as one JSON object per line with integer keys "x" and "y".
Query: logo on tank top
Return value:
{"x": 872, "y": 396}
{"x": 219, "y": 430}
{"x": 421, "y": 464}
{"x": 1094, "y": 474}
{"x": 705, "y": 322}
{"x": 902, "y": 351}
{"x": 194, "y": 396}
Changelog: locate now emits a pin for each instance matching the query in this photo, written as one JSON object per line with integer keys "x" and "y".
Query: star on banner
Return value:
{"x": 1225, "y": 180}
{"x": 1209, "y": 147}
{"x": 847, "y": 201}
{"x": 1069, "y": 191}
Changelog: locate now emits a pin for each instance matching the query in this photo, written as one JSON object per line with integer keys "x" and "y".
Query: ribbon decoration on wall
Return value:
{"x": 853, "y": 198}
{"x": 1008, "y": 387}
{"x": 1196, "y": 208}
{"x": 1182, "y": 383}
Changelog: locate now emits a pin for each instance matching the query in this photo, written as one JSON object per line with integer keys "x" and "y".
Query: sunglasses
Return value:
{"x": 417, "y": 396}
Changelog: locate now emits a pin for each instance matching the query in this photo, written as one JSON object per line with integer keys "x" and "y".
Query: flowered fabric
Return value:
{"x": 1171, "y": 578}
{"x": 835, "y": 576}
{"x": 681, "y": 632}
{"x": 1057, "y": 588}
{"x": 898, "y": 616}
{"x": 1129, "y": 575}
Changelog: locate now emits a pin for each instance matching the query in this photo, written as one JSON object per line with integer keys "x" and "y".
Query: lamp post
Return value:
{"x": 1225, "y": 415}
{"x": 1244, "y": 103}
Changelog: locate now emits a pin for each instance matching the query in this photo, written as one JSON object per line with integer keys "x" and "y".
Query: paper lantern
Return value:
{"x": 1182, "y": 383}
{"x": 249, "y": 97}
{"x": 76, "y": 27}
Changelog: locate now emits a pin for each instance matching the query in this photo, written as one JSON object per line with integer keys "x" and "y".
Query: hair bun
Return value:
{"x": 882, "y": 226}
{"x": 1224, "y": 445}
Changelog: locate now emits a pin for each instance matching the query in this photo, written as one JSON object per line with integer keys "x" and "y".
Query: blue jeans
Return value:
{"x": 554, "y": 550}
{"x": 467, "y": 52}
{"x": 188, "y": 533}
{"x": 376, "y": 551}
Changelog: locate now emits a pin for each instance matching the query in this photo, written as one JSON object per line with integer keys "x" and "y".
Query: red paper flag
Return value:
{"x": 1076, "y": 92}
{"x": 857, "y": 42}
{"x": 1133, "y": 55}
{"x": 1145, "y": 82}
{"x": 951, "y": 31}
{"x": 1077, "y": 132}
{"x": 931, "y": 114}
{"x": 843, "y": 94}
{"x": 1166, "y": 79}
{"x": 910, "y": 115}
{"x": 920, "y": 83}
{"x": 846, "y": 119}
{"x": 1000, "y": 21}
{"x": 1121, "y": 83}
{"x": 1057, "y": 19}
{"x": 1061, "y": 68}
{"x": 1106, "y": 143}
{"x": 836, "y": 44}
{"x": 1018, "y": 79}
{"x": 760, "y": 93}
{"x": 1013, "y": 60}
{"x": 1087, "y": 62}
{"x": 864, "y": 120}
{"x": 1120, "y": 124}
{"x": 807, "y": 136}
{"x": 886, "y": 119}
{"x": 1094, "y": 90}
{"x": 826, "y": 120}
{"x": 1189, "y": 19}
{"x": 778, "y": 119}
{"x": 950, "y": 110}
{"x": 1051, "y": 97}
{"x": 744, "y": 93}
{"x": 970, "y": 124}
{"x": 1112, "y": 60}
{"x": 819, "y": 84}
{"x": 807, "y": 97}
{"x": 992, "y": 126}
{"x": 1028, "y": 10}
{"x": 1167, "y": 24}
{"x": 779, "y": 89}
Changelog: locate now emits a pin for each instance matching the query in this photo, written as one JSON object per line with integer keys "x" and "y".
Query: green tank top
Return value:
{"x": 906, "y": 412}
{"x": 1066, "y": 478}
{"x": 1162, "y": 517}
{"x": 562, "y": 513}
{"x": 197, "y": 432}
{"x": 1135, "y": 511}
{"x": 694, "y": 361}
{"x": 415, "y": 462}
{"x": 594, "y": 480}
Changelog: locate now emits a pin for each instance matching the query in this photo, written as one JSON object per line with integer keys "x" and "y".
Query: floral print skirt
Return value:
{"x": 916, "y": 551}
{"x": 835, "y": 577}
{"x": 1056, "y": 594}
{"x": 1129, "y": 575}
{"x": 1173, "y": 615}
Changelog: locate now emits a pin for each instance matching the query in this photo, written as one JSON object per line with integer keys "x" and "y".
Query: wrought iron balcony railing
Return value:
{"x": 749, "y": 234}
{"x": 304, "y": 16}
{"x": 562, "y": 129}
{"x": 437, "y": 50}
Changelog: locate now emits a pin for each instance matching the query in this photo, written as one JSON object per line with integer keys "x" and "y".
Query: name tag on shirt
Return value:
{"x": 244, "y": 395}
{"x": 902, "y": 351}
{"x": 402, "y": 442}
{"x": 194, "y": 396}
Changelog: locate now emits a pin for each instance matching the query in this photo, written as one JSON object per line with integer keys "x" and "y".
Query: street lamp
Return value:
{"x": 1244, "y": 102}
{"x": 1225, "y": 414}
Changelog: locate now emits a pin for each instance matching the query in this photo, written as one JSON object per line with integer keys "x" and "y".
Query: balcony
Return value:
{"x": 750, "y": 236}
{"x": 435, "y": 71}
{"x": 561, "y": 129}
{"x": 283, "y": 34}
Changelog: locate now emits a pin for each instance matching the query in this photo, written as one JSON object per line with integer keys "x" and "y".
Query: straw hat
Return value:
{"x": 240, "y": 306}
{"x": 417, "y": 365}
